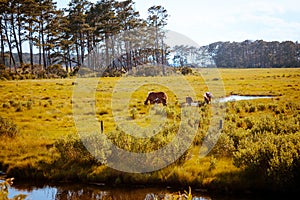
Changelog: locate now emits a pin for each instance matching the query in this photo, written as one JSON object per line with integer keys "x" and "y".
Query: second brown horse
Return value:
{"x": 156, "y": 97}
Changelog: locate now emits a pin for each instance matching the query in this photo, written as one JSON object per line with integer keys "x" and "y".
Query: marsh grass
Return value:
{"x": 46, "y": 146}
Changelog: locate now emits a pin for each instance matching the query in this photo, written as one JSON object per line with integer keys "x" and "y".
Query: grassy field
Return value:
{"x": 46, "y": 146}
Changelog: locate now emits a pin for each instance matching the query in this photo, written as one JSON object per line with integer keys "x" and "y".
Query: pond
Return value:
{"x": 241, "y": 98}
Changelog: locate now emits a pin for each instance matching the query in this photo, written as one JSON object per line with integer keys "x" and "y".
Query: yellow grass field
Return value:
{"x": 44, "y": 110}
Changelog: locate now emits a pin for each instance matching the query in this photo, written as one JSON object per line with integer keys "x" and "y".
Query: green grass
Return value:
{"x": 42, "y": 111}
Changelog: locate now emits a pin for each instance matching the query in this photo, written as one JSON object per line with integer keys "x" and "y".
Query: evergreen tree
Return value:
{"x": 158, "y": 19}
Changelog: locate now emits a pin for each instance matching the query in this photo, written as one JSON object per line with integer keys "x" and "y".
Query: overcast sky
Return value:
{"x": 208, "y": 21}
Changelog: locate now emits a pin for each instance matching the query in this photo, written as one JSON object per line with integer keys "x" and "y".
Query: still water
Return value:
{"x": 93, "y": 192}
{"x": 100, "y": 192}
{"x": 241, "y": 98}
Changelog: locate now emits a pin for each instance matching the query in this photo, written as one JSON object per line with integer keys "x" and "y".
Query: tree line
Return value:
{"x": 111, "y": 35}
{"x": 246, "y": 54}
{"x": 83, "y": 33}
{"x": 255, "y": 54}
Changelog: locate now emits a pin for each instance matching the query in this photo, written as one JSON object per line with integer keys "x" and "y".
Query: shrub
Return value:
{"x": 57, "y": 70}
{"x": 7, "y": 128}
{"x": 72, "y": 150}
{"x": 261, "y": 107}
{"x": 249, "y": 123}
{"x": 5, "y": 105}
{"x": 186, "y": 70}
{"x": 226, "y": 143}
{"x": 146, "y": 70}
{"x": 252, "y": 108}
{"x": 29, "y": 104}
{"x": 19, "y": 108}
{"x": 4, "y": 73}
{"x": 133, "y": 113}
{"x": 213, "y": 163}
{"x": 150, "y": 70}
{"x": 272, "y": 157}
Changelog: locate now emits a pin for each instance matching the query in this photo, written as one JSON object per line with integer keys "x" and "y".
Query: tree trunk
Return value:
{"x": 66, "y": 57}
{"x": 2, "y": 43}
{"x": 15, "y": 37}
{"x": 43, "y": 47}
{"x": 31, "y": 47}
{"x": 82, "y": 47}
{"x": 106, "y": 51}
{"x": 9, "y": 46}
{"x": 20, "y": 41}
{"x": 40, "y": 49}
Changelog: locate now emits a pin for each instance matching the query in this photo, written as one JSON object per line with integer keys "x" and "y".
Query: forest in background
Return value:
{"x": 110, "y": 36}
{"x": 66, "y": 36}
{"x": 255, "y": 54}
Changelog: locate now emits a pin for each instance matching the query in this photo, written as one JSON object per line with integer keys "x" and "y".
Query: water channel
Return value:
{"x": 93, "y": 192}
{"x": 100, "y": 192}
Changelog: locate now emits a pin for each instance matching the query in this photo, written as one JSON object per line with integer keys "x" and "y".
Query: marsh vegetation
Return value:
{"x": 258, "y": 148}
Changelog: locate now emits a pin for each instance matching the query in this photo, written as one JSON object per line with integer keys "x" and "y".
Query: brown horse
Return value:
{"x": 156, "y": 97}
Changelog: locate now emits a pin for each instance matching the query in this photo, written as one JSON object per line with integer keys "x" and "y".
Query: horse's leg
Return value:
{"x": 146, "y": 101}
{"x": 164, "y": 102}
{"x": 205, "y": 100}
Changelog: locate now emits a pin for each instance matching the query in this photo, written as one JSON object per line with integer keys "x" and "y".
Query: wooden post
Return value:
{"x": 101, "y": 126}
{"x": 221, "y": 124}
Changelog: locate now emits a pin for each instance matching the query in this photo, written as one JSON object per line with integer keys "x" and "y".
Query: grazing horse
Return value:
{"x": 188, "y": 100}
{"x": 207, "y": 97}
{"x": 156, "y": 97}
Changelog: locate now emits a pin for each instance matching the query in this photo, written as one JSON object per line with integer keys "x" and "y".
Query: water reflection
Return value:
{"x": 90, "y": 192}
{"x": 98, "y": 192}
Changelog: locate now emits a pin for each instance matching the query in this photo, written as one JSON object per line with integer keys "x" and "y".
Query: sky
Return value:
{"x": 209, "y": 21}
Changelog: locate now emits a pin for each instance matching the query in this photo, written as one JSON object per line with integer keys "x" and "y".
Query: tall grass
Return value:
{"x": 47, "y": 145}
